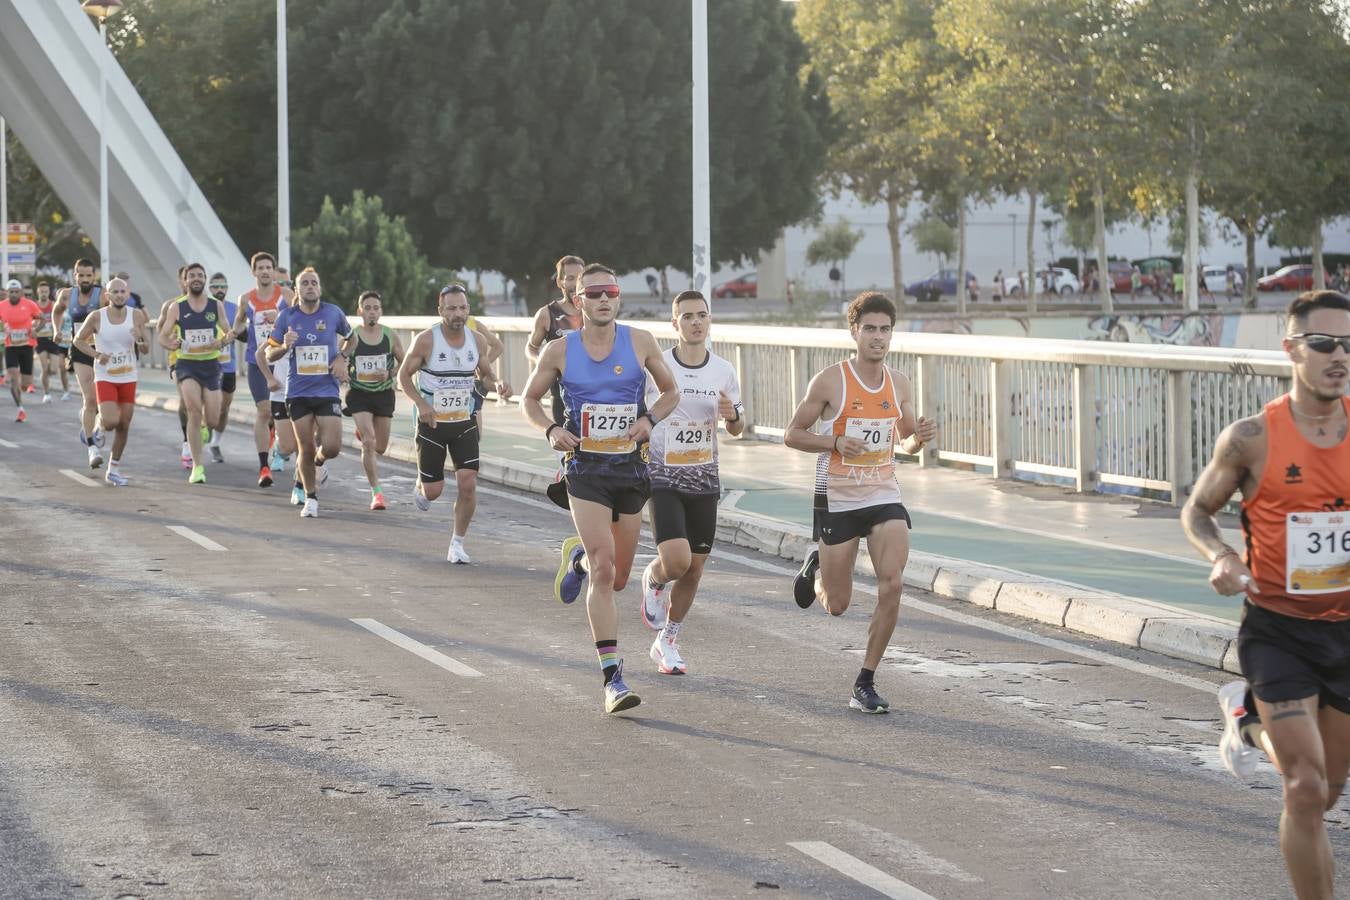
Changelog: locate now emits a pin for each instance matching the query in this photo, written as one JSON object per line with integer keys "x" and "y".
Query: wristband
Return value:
{"x": 1227, "y": 551}
{"x": 549, "y": 431}
{"x": 649, "y": 417}
{"x": 735, "y": 420}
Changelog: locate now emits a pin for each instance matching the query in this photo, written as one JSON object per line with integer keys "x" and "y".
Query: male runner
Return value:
{"x": 50, "y": 353}
{"x": 113, "y": 336}
{"x": 373, "y": 354}
{"x": 219, "y": 289}
{"x": 194, "y": 328}
{"x": 73, "y": 306}
{"x": 20, "y": 317}
{"x": 865, "y": 407}
{"x": 603, "y": 368}
{"x": 185, "y": 453}
{"x": 311, "y": 331}
{"x": 258, "y": 311}
{"x": 1291, "y": 462}
{"x": 685, "y": 483}
{"x": 444, "y": 360}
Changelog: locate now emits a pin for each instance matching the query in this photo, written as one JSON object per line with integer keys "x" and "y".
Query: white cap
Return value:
{"x": 13, "y": 284}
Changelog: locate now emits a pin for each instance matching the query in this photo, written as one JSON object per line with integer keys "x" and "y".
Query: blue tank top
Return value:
{"x": 77, "y": 313}
{"x": 601, "y": 401}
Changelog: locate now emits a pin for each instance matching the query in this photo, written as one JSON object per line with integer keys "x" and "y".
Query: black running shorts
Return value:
{"x": 839, "y": 527}
{"x": 299, "y": 407}
{"x": 458, "y": 440}
{"x": 377, "y": 403}
{"x": 692, "y": 517}
{"x": 20, "y": 358}
{"x": 1286, "y": 658}
{"x": 623, "y": 496}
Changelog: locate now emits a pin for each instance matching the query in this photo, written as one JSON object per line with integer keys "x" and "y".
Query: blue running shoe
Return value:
{"x": 278, "y": 461}
{"x": 567, "y": 586}
{"x": 297, "y": 496}
{"x": 617, "y": 695}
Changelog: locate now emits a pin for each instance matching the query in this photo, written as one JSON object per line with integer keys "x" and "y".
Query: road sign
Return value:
{"x": 21, "y": 228}
{"x": 22, "y": 259}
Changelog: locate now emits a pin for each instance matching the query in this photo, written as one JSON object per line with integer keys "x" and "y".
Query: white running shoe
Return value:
{"x": 65, "y": 396}
{"x": 323, "y": 475}
{"x": 457, "y": 554}
{"x": 655, "y": 600}
{"x": 666, "y": 655}
{"x": 419, "y": 499}
{"x": 1237, "y": 755}
{"x": 46, "y": 398}
{"x": 115, "y": 479}
{"x": 310, "y": 509}
{"x": 99, "y": 437}
{"x": 95, "y": 458}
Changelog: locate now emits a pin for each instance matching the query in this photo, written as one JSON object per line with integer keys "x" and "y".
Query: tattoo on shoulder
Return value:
{"x": 1235, "y": 447}
{"x": 1250, "y": 428}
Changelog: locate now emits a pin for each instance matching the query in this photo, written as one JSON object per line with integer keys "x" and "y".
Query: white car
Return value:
{"x": 1216, "y": 279}
{"x": 1064, "y": 283}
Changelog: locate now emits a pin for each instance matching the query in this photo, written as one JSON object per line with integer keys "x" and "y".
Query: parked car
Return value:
{"x": 745, "y": 286}
{"x": 1121, "y": 271}
{"x": 1063, "y": 282}
{"x": 1216, "y": 279}
{"x": 941, "y": 283}
{"x": 1289, "y": 278}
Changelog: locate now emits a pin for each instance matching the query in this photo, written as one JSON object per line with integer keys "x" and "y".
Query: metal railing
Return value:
{"x": 1096, "y": 416}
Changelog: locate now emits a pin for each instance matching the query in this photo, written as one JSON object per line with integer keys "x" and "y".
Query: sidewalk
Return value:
{"x": 1114, "y": 568}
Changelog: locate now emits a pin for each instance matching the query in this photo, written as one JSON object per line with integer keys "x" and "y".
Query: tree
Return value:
{"x": 833, "y": 244}
{"x": 359, "y": 247}
{"x": 932, "y": 235}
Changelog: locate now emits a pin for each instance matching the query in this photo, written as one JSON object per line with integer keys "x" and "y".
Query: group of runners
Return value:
{"x": 634, "y": 426}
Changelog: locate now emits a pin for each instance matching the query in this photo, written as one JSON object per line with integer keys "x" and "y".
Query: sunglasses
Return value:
{"x": 453, "y": 289}
{"x": 1324, "y": 343}
{"x": 596, "y": 291}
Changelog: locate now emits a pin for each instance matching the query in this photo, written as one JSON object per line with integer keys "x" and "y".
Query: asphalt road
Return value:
{"x": 182, "y": 721}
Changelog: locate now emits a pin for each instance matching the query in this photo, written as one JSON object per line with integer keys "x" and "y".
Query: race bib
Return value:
{"x": 604, "y": 428}
{"x": 311, "y": 359}
{"x": 119, "y": 363}
{"x": 197, "y": 340}
{"x": 453, "y": 402}
{"x": 18, "y": 335}
{"x": 689, "y": 442}
{"x": 1317, "y": 552}
{"x": 227, "y": 354}
{"x": 263, "y": 331}
{"x": 877, "y": 434}
{"x": 372, "y": 369}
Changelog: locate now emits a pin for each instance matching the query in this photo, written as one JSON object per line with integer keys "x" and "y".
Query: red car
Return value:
{"x": 745, "y": 286}
{"x": 1289, "y": 278}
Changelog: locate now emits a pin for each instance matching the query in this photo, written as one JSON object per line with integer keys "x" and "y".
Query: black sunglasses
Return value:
{"x": 1324, "y": 343}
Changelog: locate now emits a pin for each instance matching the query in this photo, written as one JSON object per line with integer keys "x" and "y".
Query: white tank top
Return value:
{"x": 447, "y": 375}
{"x": 119, "y": 342}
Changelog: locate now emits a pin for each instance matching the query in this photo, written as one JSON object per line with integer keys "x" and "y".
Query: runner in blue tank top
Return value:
{"x": 602, "y": 369}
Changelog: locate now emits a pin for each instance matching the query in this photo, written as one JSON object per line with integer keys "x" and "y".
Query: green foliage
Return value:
{"x": 359, "y": 247}
{"x": 932, "y": 235}
{"x": 833, "y": 243}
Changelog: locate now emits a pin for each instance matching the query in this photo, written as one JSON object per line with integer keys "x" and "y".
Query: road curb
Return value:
{"x": 1130, "y": 621}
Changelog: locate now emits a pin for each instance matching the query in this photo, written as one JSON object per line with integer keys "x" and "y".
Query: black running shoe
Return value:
{"x": 866, "y": 699}
{"x": 804, "y": 585}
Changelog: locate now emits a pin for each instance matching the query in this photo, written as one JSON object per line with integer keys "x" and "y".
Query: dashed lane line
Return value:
{"x": 78, "y": 478}
{"x": 198, "y": 539}
{"x": 417, "y": 648}
{"x": 859, "y": 871}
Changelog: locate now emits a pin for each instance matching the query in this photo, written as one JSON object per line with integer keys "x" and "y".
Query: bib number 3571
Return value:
{"x": 604, "y": 428}
{"x": 1317, "y": 552}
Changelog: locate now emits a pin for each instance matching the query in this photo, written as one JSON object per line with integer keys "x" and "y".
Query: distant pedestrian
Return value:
{"x": 1178, "y": 285}
{"x": 1136, "y": 281}
{"x": 1022, "y": 282}
{"x": 1230, "y": 282}
{"x": 998, "y": 286}
{"x": 836, "y": 283}
{"x": 653, "y": 285}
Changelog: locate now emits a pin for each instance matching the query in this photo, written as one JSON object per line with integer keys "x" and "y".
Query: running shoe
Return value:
{"x": 22, "y": 416}
{"x": 278, "y": 461}
{"x": 1237, "y": 756}
{"x": 100, "y": 437}
{"x": 457, "y": 555}
{"x": 311, "y": 509}
{"x": 377, "y": 502}
{"x": 31, "y": 389}
{"x": 804, "y": 585}
{"x": 866, "y": 699}
{"x": 567, "y": 585}
{"x": 95, "y": 458}
{"x": 216, "y": 455}
{"x": 264, "y": 477}
{"x": 297, "y": 496}
{"x": 84, "y": 439}
{"x": 198, "y": 475}
{"x": 419, "y": 499}
{"x": 655, "y": 600}
{"x": 46, "y": 398}
{"x": 618, "y": 697}
{"x": 115, "y": 479}
{"x": 65, "y": 395}
{"x": 323, "y": 475}
{"x": 666, "y": 655}
{"x": 206, "y": 434}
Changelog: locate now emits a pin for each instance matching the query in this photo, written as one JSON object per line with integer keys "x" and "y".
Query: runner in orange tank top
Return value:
{"x": 1292, "y": 464}
{"x": 865, "y": 409}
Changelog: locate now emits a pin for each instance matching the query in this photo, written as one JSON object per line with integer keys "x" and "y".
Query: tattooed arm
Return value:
{"x": 1239, "y": 450}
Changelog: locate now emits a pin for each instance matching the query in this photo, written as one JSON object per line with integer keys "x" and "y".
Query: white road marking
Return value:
{"x": 417, "y": 648}
{"x": 941, "y": 612}
{"x": 78, "y": 478}
{"x": 199, "y": 540}
{"x": 731, "y": 499}
{"x": 8, "y": 445}
{"x": 859, "y": 871}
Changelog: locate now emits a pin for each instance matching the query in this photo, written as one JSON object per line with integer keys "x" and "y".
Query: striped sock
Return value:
{"x": 608, "y": 651}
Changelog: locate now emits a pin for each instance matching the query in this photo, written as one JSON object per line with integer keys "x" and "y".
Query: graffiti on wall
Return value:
{"x": 1194, "y": 330}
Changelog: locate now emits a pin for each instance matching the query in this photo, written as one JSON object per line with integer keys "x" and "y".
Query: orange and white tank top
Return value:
{"x": 872, "y": 415}
{"x": 1297, "y": 523}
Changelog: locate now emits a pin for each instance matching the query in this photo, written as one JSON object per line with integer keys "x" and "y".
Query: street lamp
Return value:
{"x": 283, "y": 146}
{"x": 101, "y": 10}
{"x": 701, "y": 272}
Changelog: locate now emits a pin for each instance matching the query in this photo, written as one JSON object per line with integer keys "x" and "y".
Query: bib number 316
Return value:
{"x": 1317, "y": 549}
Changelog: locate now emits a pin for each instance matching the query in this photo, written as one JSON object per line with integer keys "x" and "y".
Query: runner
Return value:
{"x": 195, "y": 329}
{"x": 311, "y": 331}
{"x": 73, "y": 306}
{"x": 185, "y": 453}
{"x": 685, "y": 483}
{"x": 865, "y": 407}
{"x": 114, "y": 336}
{"x": 560, "y": 317}
{"x": 20, "y": 317}
{"x": 603, "y": 369}
{"x": 444, "y": 359}
{"x": 50, "y": 353}
{"x": 219, "y": 289}
{"x": 1291, "y": 462}
{"x": 257, "y": 313}
{"x": 373, "y": 353}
